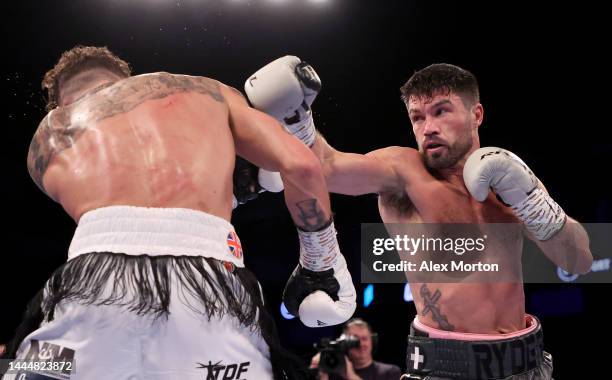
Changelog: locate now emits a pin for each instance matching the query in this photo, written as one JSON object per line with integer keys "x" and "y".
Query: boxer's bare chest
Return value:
{"x": 441, "y": 202}
{"x": 452, "y": 306}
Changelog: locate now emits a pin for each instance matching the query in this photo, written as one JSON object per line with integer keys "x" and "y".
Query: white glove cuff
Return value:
{"x": 304, "y": 130}
{"x": 542, "y": 216}
{"x": 270, "y": 181}
{"x": 319, "y": 250}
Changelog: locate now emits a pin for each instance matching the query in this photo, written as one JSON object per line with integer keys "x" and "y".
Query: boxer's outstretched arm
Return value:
{"x": 357, "y": 174}
{"x": 285, "y": 89}
{"x": 261, "y": 139}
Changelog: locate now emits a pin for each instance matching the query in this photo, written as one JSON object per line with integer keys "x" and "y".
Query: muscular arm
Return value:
{"x": 261, "y": 139}
{"x": 568, "y": 248}
{"x": 356, "y": 174}
{"x": 51, "y": 137}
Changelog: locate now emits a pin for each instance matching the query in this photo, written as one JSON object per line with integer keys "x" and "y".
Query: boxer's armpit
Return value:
{"x": 399, "y": 202}
{"x": 431, "y": 306}
{"x": 311, "y": 215}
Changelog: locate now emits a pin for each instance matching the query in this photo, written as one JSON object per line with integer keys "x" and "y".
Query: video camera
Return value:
{"x": 333, "y": 352}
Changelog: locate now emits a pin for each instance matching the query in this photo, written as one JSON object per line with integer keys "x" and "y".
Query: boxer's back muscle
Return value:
{"x": 154, "y": 140}
{"x": 463, "y": 307}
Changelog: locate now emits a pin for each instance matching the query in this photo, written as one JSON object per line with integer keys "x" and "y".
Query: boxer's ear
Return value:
{"x": 477, "y": 115}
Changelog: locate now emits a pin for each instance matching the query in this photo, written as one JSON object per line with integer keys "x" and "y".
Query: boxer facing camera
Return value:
{"x": 333, "y": 352}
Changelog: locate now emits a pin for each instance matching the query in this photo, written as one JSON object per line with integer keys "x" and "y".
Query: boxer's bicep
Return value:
{"x": 258, "y": 137}
{"x": 357, "y": 174}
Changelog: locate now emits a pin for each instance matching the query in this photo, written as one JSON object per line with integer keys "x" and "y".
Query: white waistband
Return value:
{"x": 154, "y": 232}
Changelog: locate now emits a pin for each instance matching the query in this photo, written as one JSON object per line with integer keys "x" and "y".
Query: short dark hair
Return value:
{"x": 357, "y": 322}
{"x": 77, "y": 59}
{"x": 441, "y": 78}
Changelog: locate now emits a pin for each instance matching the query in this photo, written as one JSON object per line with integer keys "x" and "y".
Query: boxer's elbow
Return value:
{"x": 575, "y": 260}
{"x": 585, "y": 262}
{"x": 302, "y": 168}
{"x": 581, "y": 247}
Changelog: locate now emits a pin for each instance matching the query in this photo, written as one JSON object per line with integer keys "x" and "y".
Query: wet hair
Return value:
{"x": 442, "y": 78}
{"x": 77, "y": 59}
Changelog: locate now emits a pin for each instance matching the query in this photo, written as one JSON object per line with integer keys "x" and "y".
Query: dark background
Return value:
{"x": 543, "y": 86}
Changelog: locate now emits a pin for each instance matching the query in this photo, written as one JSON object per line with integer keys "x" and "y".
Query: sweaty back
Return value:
{"x": 154, "y": 140}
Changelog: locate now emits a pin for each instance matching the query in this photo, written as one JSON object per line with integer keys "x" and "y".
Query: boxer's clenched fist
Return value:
{"x": 285, "y": 89}
{"x": 516, "y": 185}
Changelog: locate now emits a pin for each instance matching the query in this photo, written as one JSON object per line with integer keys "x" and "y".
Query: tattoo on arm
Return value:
{"x": 311, "y": 215}
{"x": 431, "y": 305}
{"x": 54, "y": 134}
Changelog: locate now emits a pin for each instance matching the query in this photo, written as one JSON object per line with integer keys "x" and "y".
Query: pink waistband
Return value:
{"x": 530, "y": 321}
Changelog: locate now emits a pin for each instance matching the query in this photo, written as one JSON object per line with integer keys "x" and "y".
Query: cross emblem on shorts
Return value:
{"x": 416, "y": 358}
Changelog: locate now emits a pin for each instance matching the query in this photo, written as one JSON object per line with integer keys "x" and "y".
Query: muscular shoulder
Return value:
{"x": 410, "y": 169}
{"x": 406, "y": 162}
{"x": 397, "y": 154}
{"x": 232, "y": 95}
{"x": 164, "y": 83}
{"x": 44, "y": 145}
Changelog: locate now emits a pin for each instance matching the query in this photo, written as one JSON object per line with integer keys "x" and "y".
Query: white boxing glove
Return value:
{"x": 516, "y": 185}
{"x": 320, "y": 290}
{"x": 270, "y": 181}
{"x": 285, "y": 89}
{"x": 249, "y": 181}
{"x": 267, "y": 181}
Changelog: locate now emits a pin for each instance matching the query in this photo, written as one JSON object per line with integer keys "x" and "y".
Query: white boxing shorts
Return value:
{"x": 149, "y": 293}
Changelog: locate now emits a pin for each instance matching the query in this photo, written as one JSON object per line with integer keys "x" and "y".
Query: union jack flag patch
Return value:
{"x": 233, "y": 242}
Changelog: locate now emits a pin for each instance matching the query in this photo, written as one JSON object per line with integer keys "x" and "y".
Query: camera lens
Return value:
{"x": 331, "y": 361}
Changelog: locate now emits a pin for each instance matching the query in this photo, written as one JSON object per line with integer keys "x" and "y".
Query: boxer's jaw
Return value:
{"x": 444, "y": 127}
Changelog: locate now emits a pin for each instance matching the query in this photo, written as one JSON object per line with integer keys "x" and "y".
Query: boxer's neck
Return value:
{"x": 454, "y": 174}
{"x": 85, "y": 83}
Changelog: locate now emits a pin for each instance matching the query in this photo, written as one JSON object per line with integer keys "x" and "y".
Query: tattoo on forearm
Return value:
{"x": 62, "y": 127}
{"x": 430, "y": 302}
{"x": 311, "y": 215}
